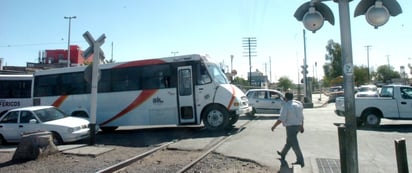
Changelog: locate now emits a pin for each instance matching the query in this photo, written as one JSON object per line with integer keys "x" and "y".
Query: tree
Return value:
{"x": 285, "y": 83}
{"x": 361, "y": 75}
{"x": 386, "y": 74}
{"x": 240, "y": 81}
{"x": 333, "y": 69}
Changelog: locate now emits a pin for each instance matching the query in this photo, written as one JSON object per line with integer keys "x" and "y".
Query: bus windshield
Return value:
{"x": 217, "y": 74}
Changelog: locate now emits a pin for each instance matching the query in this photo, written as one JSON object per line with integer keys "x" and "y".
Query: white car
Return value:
{"x": 19, "y": 121}
{"x": 367, "y": 91}
{"x": 265, "y": 101}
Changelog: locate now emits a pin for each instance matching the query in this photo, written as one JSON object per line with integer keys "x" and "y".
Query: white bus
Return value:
{"x": 179, "y": 90}
{"x": 15, "y": 91}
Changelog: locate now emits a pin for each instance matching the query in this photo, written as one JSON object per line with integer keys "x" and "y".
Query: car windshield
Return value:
{"x": 49, "y": 114}
{"x": 217, "y": 74}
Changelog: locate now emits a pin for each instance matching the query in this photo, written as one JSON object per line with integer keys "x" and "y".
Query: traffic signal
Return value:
{"x": 304, "y": 69}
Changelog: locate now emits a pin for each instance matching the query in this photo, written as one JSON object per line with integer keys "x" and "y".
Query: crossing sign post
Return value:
{"x": 98, "y": 55}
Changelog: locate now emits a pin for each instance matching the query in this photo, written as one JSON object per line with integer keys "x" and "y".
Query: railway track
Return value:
{"x": 165, "y": 159}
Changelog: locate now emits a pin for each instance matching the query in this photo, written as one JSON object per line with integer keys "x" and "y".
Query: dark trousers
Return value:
{"x": 292, "y": 141}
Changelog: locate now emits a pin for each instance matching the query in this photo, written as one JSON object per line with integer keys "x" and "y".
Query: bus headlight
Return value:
{"x": 236, "y": 104}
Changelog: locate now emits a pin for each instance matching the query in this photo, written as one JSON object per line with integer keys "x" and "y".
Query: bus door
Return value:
{"x": 186, "y": 103}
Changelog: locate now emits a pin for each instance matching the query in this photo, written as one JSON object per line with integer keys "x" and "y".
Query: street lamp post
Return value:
{"x": 68, "y": 38}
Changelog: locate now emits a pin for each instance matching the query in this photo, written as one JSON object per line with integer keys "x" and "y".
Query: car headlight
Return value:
{"x": 73, "y": 129}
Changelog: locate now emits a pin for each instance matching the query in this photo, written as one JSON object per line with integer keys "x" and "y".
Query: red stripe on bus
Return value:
{"x": 146, "y": 94}
{"x": 232, "y": 99}
{"x": 140, "y": 63}
{"x": 59, "y": 101}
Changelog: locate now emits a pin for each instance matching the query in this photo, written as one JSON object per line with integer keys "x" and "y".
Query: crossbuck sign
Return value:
{"x": 98, "y": 56}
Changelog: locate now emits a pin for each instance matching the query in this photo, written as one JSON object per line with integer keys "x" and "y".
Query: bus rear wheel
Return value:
{"x": 216, "y": 118}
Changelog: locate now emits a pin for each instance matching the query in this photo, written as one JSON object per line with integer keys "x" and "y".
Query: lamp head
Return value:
{"x": 377, "y": 12}
{"x": 313, "y": 14}
{"x": 377, "y": 15}
{"x": 313, "y": 20}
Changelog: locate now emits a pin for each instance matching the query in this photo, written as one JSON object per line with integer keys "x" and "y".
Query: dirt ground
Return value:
{"x": 74, "y": 163}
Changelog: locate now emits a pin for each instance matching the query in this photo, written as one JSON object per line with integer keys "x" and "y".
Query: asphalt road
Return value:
{"x": 319, "y": 143}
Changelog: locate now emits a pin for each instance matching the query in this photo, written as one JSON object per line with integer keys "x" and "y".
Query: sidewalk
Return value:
{"x": 319, "y": 100}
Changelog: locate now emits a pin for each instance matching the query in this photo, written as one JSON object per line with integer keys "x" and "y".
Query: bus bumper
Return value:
{"x": 244, "y": 110}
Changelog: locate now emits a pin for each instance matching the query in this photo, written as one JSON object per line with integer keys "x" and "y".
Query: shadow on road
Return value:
{"x": 260, "y": 117}
{"x": 284, "y": 167}
{"x": 401, "y": 128}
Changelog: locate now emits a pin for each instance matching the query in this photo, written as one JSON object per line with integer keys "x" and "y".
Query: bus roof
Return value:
{"x": 15, "y": 76}
{"x": 136, "y": 63}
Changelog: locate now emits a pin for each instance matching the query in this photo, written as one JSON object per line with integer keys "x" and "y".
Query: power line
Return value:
{"x": 38, "y": 44}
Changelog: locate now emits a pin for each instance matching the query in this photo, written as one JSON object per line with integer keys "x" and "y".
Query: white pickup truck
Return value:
{"x": 393, "y": 102}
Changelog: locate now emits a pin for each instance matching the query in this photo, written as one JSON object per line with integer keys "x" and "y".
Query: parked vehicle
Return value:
{"x": 367, "y": 91}
{"x": 19, "y": 121}
{"x": 394, "y": 102}
{"x": 265, "y": 101}
{"x": 334, "y": 92}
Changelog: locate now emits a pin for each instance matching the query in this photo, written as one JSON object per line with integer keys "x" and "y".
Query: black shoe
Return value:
{"x": 302, "y": 164}
{"x": 282, "y": 157}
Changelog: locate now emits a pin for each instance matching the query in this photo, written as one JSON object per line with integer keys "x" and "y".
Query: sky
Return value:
{"x": 141, "y": 29}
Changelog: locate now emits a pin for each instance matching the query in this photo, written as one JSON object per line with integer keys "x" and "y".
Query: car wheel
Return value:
{"x": 216, "y": 117}
{"x": 252, "y": 113}
{"x": 2, "y": 140}
{"x": 371, "y": 119}
{"x": 57, "y": 139}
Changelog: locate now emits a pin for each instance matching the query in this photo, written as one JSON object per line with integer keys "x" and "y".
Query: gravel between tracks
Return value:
{"x": 83, "y": 164}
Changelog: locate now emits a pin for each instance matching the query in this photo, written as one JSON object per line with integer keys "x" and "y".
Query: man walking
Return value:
{"x": 291, "y": 116}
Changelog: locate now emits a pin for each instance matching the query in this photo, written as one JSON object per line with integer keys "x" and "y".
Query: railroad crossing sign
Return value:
{"x": 90, "y": 50}
{"x": 94, "y": 48}
{"x": 98, "y": 56}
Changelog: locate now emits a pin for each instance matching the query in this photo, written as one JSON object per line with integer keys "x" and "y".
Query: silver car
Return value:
{"x": 265, "y": 101}
{"x": 19, "y": 121}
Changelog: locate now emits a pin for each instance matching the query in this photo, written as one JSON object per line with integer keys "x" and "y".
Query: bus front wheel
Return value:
{"x": 216, "y": 117}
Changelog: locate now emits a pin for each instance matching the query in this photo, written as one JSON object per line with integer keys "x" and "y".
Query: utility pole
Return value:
{"x": 266, "y": 69}
{"x": 270, "y": 68}
{"x": 249, "y": 44}
{"x": 387, "y": 58}
{"x": 367, "y": 54}
{"x": 112, "y": 52}
{"x": 231, "y": 63}
{"x": 174, "y": 53}
{"x": 68, "y": 39}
